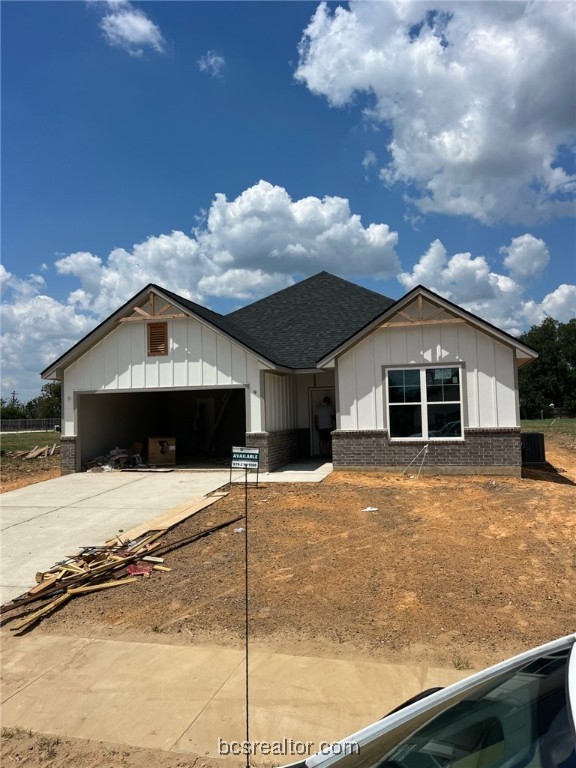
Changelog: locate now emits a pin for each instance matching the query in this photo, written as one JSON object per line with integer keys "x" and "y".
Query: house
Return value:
{"x": 402, "y": 375}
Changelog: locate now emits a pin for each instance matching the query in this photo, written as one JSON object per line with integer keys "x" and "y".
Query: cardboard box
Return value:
{"x": 161, "y": 450}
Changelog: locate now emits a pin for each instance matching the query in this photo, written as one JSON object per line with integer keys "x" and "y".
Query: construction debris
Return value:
{"x": 36, "y": 452}
{"x": 97, "y": 568}
{"x": 116, "y": 458}
{"x": 140, "y": 569}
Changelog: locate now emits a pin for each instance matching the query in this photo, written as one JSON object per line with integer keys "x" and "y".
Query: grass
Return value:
{"x": 48, "y": 744}
{"x": 15, "y": 732}
{"x": 25, "y": 441}
{"x": 550, "y": 426}
{"x": 461, "y": 662}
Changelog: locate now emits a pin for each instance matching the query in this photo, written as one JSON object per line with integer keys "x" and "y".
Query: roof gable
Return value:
{"x": 152, "y": 307}
{"x": 420, "y": 311}
{"x": 304, "y": 322}
{"x": 154, "y": 304}
{"x": 422, "y": 306}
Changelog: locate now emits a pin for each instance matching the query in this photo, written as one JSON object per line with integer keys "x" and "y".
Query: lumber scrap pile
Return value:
{"x": 97, "y": 568}
{"x": 36, "y": 452}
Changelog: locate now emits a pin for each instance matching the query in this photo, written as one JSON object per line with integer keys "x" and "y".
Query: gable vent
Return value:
{"x": 157, "y": 339}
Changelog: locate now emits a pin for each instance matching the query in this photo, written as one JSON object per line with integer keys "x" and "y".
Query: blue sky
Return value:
{"x": 227, "y": 149}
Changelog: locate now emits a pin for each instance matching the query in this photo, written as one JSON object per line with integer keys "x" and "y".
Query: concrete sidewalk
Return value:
{"x": 45, "y": 522}
{"x": 185, "y": 698}
{"x": 305, "y": 471}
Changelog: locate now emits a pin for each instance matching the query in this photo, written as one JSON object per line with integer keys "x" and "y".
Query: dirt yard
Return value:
{"x": 449, "y": 571}
{"x": 17, "y": 473}
{"x": 30, "y": 750}
{"x": 452, "y": 571}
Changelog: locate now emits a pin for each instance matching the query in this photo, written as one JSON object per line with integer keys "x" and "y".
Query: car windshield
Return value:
{"x": 519, "y": 719}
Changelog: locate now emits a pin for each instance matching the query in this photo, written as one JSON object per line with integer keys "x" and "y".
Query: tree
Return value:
{"x": 48, "y": 404}
{"x": 550, "y": 381}
{"x": 12, "y": 409}
{"x": 567, "y": 337}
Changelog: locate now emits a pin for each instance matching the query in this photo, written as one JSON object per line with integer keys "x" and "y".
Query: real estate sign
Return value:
{"x": 245, "y": 458}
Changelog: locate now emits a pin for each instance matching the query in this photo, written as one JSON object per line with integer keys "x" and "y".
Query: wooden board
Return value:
{"x": 170, "y": 518}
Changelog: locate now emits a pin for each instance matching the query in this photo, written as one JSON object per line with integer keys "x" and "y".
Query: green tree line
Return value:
{"x": 550, "y": 381}
{"x": 46, "y": 406}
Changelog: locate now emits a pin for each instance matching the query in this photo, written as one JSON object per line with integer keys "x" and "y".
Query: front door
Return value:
{"x": 316, "y": 397}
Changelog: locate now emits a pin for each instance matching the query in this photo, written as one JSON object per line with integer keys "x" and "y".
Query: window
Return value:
{"x": 157, "y": 339}
{"x": 424, "y": 403}
{"x": 520, "y": 718}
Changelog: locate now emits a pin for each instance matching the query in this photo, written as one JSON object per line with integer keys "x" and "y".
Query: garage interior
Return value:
{"x": 205, "y": 423}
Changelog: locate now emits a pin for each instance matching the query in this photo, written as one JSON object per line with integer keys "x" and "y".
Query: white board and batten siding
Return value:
{"x": 488, "y": 373}
{"x": 280, "y": 402}
{"x": 197, "y": 357}
{"x": 287, "y": 398}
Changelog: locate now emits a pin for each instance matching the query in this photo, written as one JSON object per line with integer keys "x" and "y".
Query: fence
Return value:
{"x": 28, "y": 425}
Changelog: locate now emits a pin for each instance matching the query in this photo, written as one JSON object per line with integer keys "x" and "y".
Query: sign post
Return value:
{"x": 246, "y": 458}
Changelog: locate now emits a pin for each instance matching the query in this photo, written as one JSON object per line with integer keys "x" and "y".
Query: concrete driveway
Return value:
{"x": 43, "y": 523}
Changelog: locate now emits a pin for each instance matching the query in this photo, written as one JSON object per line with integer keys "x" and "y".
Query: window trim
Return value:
{"x": 156, "y": 348}
{"x": 423, "y": 402}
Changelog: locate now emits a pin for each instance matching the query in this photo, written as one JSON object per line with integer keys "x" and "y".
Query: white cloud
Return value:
{"x": 526, "y": 256}
{"x": 255, "y": 281}
{"x": 85, "y": 266}
{"x": 369, "y": 160}
{"x": 212, "y": 62}
{"x": 244, "y": 248}
{"x": 560, "y": 304}
{"x": 172, "y": 260}
{"x": 264, "y": 228}
{"x": 4, "y": 277}
{"x": 127, "y": 27}
{"x": 499, "y": 298}
{"x": 36, "y": 328}
{"x": 476, "y": 96}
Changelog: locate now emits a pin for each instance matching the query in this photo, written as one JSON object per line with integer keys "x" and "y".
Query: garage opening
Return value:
{"x": 205, "y": 424}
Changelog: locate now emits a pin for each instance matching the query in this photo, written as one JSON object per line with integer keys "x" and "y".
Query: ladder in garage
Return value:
{"x": 225, "y": 401}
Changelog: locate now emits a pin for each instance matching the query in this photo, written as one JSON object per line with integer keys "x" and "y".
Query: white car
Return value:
{"x": 520, "y": 713}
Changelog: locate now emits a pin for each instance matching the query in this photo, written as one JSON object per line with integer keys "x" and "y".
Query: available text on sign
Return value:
{"x": 245, "y": 458}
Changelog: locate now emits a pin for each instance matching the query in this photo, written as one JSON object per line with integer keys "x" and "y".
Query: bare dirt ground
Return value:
{"x": 449, "y": 571}
{"x": 30, "y": 750}
{"x": 17, "y": 473}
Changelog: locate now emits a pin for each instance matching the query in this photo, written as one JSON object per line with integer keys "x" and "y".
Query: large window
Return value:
{"x": 424, "y": 403}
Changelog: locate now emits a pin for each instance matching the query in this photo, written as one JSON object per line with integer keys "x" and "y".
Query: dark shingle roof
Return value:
{"x": 305, "y": 322}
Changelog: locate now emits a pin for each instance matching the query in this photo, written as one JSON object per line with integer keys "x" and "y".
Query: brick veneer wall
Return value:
{"x": 279, "y": 448}
{"x": 489, "y": 451}
{"x": 67, "y": 454}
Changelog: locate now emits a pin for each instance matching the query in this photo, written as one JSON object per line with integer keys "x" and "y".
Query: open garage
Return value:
{"x": 204, "y": 423}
